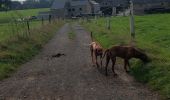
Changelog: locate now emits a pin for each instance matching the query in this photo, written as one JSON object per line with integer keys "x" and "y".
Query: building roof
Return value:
{"x": 58, "y": 4}
{"x": 117, "y": 2}
{"x": 149, "y": 1}
{"x": 78, "y": 2}
{"x": 94, "y": 2}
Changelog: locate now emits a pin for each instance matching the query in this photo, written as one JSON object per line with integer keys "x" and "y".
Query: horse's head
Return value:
{"x": 142, "y": 56}
{"x": 145, "y": 58}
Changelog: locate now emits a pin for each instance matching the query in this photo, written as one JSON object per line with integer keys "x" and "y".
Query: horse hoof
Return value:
{"x": 115, "y": 74}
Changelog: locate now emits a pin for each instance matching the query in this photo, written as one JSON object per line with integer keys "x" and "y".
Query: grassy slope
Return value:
{"x": 20, "y": 49}
{"x": 152, "y": 35}
{"x": 16, "y": 47}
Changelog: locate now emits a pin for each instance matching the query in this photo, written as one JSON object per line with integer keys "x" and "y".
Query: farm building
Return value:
{"x": 112, "y": 7}
{"x": 151, "y": 6}
{"x": 73, "y": 8}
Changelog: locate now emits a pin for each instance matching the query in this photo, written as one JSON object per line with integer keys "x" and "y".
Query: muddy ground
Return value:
{"x": 63, "y": 71}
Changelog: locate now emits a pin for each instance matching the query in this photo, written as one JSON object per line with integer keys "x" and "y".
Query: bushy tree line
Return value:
{"x": 28, "y": 4}
{"x": 5, "y": 4}
{"x": 37, "y": 3}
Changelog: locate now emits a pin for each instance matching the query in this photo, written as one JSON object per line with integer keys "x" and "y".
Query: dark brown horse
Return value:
{"x": 125, "y": 52}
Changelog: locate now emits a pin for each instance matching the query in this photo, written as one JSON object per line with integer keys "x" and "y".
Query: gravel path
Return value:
{"x": 70, "y": 76}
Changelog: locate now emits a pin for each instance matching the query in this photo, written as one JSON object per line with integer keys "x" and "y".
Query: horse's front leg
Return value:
{"x": 128, "y": 64}
{"x": 107, "y": 62}
{"x": 113, "y": 64}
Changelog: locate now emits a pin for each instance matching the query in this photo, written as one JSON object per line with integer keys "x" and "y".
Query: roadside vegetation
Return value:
{"x": 71, "y": 34}
{"x": 152, "y": 35}
{"x": 18, "y": 44}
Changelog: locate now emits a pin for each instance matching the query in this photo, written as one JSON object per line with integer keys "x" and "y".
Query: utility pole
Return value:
{"x": 132, "y": 24}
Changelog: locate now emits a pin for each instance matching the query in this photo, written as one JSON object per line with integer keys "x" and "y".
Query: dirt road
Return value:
{"x": 70, "y": 76}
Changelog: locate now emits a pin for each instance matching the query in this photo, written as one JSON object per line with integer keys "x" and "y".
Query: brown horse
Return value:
{"x": 125, "y": 52}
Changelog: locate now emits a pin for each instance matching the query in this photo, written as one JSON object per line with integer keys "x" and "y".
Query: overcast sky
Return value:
{"x": 18, "y": 0}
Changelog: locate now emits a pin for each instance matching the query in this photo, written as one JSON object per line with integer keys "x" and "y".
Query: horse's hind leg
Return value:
{"x": 125, "y": 65}
{"x": 101, "y": 64}
{"x": 107, "y": 62}
{"x": 96, "y": 61}
{"x": 91, "y": 50}
{"x": 113, "y": 64}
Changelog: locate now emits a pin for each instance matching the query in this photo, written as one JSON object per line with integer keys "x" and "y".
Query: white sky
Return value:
{"x": 18, "y": 0}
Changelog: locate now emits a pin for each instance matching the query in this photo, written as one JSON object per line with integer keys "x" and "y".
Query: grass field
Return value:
{"x": 152, "y": 35}
{"x": 8, "y": 30}
{"x": 9, "y": 27}
{"x": 6, "y": 17}
{"x": 17, "y": 45}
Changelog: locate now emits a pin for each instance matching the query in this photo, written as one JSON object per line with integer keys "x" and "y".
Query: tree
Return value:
{"x": 5, "y": 5}
{"x": 16, "y": 5}
{"x": 37, "y": 3}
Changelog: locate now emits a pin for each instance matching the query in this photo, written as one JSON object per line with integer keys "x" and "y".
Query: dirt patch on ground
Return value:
{"x": 71, "y": 76}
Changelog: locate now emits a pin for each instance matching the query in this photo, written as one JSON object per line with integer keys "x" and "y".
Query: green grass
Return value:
{"x": 9, "y": 27}
{"x": 152, "y": 35}
{"x": 8, "y": 30}
{"x": 6, "y": 17}
{"x": 71, "y": 34}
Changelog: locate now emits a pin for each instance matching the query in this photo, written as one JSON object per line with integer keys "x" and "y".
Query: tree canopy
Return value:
{"x": 5, "y": 4}
{"x": 28, "y": 4}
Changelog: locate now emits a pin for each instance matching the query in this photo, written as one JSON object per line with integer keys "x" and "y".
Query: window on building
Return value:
{"x": 80, "y": 9}
{"x": 69, "y": 10}
{"x": 73, "y": 9}
{"x": 141, "y": 5}
{"x": 162, "y": 3}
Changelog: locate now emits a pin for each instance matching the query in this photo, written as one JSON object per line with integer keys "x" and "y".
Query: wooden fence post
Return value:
{"x": 28, "y": 27}
{"x": 108, "y": 23}
{"x": 49, "y": 18}
{"x": 42, "y": 20}
{"x": 132, "y": 23}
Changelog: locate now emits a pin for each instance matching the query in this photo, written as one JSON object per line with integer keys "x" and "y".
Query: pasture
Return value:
{"x": 6, "y": 17}
{"x": 9, "y": 27}
{"x": 152, "y": 35}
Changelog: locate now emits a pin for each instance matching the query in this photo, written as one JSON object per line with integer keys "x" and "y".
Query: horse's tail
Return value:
{"x": 106, "y": 51}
